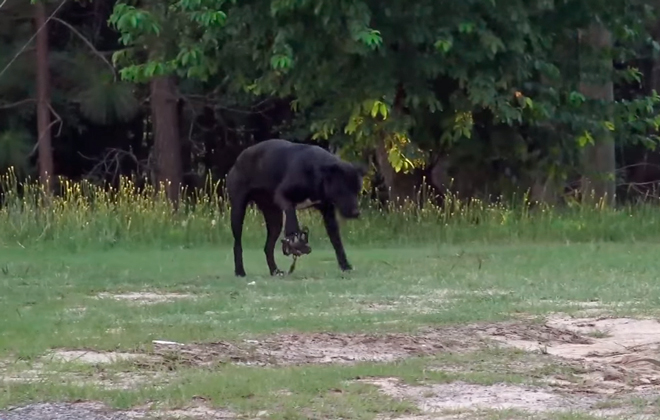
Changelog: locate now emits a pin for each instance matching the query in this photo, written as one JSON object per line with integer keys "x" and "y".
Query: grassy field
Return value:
{"x": 497, "y": 311}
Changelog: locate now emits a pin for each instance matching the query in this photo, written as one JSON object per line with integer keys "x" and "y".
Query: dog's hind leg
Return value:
{"x": 237, "y": 218}
{"x": 238, "y": 200}
{"x": 273, "y": 217}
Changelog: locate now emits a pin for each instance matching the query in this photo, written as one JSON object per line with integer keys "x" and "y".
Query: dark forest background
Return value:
{"x": 482, "y": 98}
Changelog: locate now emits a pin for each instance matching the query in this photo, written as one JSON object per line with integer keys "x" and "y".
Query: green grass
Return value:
{"x": 409, "y": 287}
{"x": 467, "y": 262}
{"x": 84, "y": 216}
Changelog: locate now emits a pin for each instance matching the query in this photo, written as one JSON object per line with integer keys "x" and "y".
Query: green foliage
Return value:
{"x": 93, "y": 86}
{"x": 15, "y": 148}
{"x": 81, "y": 83}
{"x": 477, "y": 81}
{"x": 637, "y": 121}
{"x": 178, "y": 36}
{"x": 105, "y": 102}
{"x": 430, "y": 73}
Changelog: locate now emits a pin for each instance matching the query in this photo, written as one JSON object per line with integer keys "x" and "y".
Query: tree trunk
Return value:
{"x": 652, "y": 77}
{"x": 44, "y": 140}
{"x": 167, "y": 146}
{"x": 543, "y": 190}
{"x": 599, "y": 164}
{"x": 401, "y": 186}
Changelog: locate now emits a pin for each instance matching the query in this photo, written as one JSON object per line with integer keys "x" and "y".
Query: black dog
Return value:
{"x": 278, "y": 175}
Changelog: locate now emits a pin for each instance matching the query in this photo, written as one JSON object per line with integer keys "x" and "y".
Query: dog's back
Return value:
{"x": 264, "y": 165}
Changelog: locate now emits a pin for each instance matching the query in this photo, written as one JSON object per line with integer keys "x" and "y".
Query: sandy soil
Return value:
{"x": 615, "y": 359}
{"x": 87, "y": 410}
{"x": 146, "y": 298}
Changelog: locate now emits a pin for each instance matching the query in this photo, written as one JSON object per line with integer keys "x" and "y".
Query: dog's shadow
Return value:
{"x": 316, "y": 270}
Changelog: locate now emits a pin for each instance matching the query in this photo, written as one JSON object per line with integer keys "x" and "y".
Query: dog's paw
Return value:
{"x": 277, "y": 273}
{"x": 346, "y": 267}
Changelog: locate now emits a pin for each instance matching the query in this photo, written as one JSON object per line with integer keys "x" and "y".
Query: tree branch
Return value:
{"x": 88, "y": 43}
{"x": 31, "y": 38}
{"x": 15, "y": 104}
{"x": 57, "y": 120}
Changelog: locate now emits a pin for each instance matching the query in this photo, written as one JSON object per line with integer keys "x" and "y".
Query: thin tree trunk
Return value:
{"x": 599, "y": 165}
{"x": 44, "y": 142}
{"x": 167, "y": 147}
{"x": 401, "y": 186}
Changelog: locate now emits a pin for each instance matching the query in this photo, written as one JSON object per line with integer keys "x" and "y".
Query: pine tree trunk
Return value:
{"x": 599, "y": 164}
{"x": 167, "y": 146}
{"x": 44, "y": 142}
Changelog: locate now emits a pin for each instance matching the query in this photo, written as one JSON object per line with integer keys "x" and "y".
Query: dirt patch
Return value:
{"x": 617, "y": 353}
{"x": 24, "y": 376}
{"x": 457, "y": 416}
{"x": 38, "y": 372}
{"x": 614, "y": 358}
{"x": 609, "y": 335}
{"x": 604, "y": 346}
{"x": 62, "y": 411}
{"x": 197, "y": 410}
{"x": 91, "y": 410}
{"x": 92, "y": 357}
{"x": 114, "y": 381}
{"x": 378, "y": 307}
{"x": 321, "y": 348}
{"x": 406, "y": 304}
{"x": 427, "y": 302}
{"x": 146, "y": 298}
{"x": 532, "y": 336}
{"x": 79, "y": 310}
{"x": 592, "y": 309}
{"x": 464, "y": 396}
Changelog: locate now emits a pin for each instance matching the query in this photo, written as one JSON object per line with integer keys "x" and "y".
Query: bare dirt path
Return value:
{"x": 615, "y": 359}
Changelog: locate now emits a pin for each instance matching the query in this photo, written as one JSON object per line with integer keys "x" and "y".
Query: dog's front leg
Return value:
{"x": 332, "y": 228}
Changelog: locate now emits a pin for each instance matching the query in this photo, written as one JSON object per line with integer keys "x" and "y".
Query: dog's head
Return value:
{"x": 342, "y": 183}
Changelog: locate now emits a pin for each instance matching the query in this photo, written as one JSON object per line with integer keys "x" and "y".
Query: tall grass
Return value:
{"x": 83, "y": 215}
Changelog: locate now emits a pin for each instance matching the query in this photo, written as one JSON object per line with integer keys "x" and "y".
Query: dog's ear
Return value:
{"x": 361, "y": 169}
